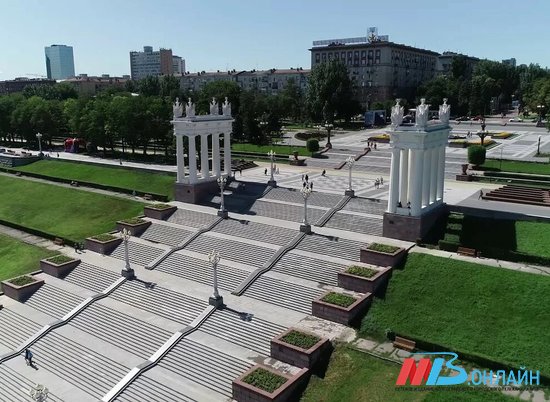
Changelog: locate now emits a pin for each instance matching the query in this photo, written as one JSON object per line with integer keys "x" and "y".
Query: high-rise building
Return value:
{"x": 59, "y": 62}
{"x": 149, "y": 62}
{"x": 510, "y": 62}
{"x": 178, "y": 65}
{"x": 379, "y": 69}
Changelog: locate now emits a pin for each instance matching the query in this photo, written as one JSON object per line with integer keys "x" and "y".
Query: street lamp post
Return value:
{"x": 127, "y": 272}
{"x": 350, "y": 161}
{"x": 328, "y": 127}
{"x": 538, "y": 146}
{"x": 215, "y": 300}
{"x": 540, "y": 109}
{"x": 39, "y": 137}
{"x": 263, "y": 127}
{"x": 222, "y": 211}
{"x": 271, "y": 181}
{"x": 305, "y": 227}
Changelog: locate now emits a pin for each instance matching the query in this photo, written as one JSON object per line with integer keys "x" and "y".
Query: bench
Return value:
{"x": 58, "y": 241}
{"x": 148, "y": 197}
{"x": 467, "y": 251}
{"x": 405, "y": 344}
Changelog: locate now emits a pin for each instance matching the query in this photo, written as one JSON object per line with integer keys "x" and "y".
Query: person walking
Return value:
{"x": 324, "y": 173}
{"x": 240, "y": 171}
{"x": 302, "y": 177}
{"x": 265, "y": 172}
{"x": 304, "y": 184}
{"x": 28, "y": 357}
{"x": 480, "y": 195}
{"x": 382, "y": 180}
{"x": 277, "y": 172}
{"x": 311, "y": 186}
{"x": 375, "y": 146}
{"x": 307, "y": 178}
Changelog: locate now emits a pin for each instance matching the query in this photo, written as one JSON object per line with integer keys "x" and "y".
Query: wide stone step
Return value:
{"x": 232, "y": 250}
{"x": 15, "y": 388}
{"x": 365, "y": 205}
{"x": 332, "y": 246}
{"x": 192, "y": 218}
{"x": 255, "y": 231}
{"x": 170, "y": 235}
{"x": 294, "y": 195}
{"x": 356, "y": 223}
{"x": 285, "y": 294}
{"x": 160, "y": 301}
{"x": 126, "y": 332}
{"x": 92, "y": 277}
{"x": 255, "y": 334}
{"x": 205, "y": 366}
{"x": 287, "y": 212}
{"x": 138, "y": 253}
{"x": 15, "y": 328}
{"x": 53, "y": 301}
{"x": 200, "y": 271}
{"x": 75, "y": 363}
{"x": 318, "y": 270}
{"x": 145, "y": 389}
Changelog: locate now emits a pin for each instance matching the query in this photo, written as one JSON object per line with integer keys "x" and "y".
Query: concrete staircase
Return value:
{"x": 322, "y": 271}
{"x": 287, "y": 212}
{"x": 335, "y": 247}
{"x": 15, "y": 388}
{"x": 14, "y": 328}
{"x": 53, "y": 300}
{"x": 170, "y": 235}
{"x": 91, "y": 277}
{"x": 356, "y": 223}
{"x": 139, "y": 253}
{"x": 255, "y": 231}
{"x": 145, "y": 389}
{"x": 192, "y": 218}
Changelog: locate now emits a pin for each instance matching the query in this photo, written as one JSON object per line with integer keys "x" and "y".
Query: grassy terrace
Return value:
{"x": 65, "y": 212}
{"x": 492, "y": 312}
{"x": 159, "y": 183}
{"x": 280, "y": 150}
{"x": 356, "y": 376}
{"x": 517, "y": 167}
{"x": 19, "y": 258}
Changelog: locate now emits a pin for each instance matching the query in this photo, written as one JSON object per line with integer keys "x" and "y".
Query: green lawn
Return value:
{"x": 356, "y": 376}
{"x": 518, "y": 167}
{"x": 492, "y": 312}
{"x": 65, "y": 212}
{"x": 19, "y": 258}
{"x": 282, "y": 150}
{"x": 139, "y": 180}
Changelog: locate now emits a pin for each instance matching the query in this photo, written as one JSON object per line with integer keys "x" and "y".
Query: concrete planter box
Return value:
{"x": 295, "y": 355}
{"x": 380, "y": 258}
{"x": 361, "y": 284}
{"x": 160, "y": 214}
{"x": 341, "y": 315}
{"x": 58, "y": 270}
{"x": 21, "y": 293}
{"x": 102, "y": 247}
{"x": 135, "y": 229}
{"x": 243, "y": 392}
{"x": 458, "y": 144}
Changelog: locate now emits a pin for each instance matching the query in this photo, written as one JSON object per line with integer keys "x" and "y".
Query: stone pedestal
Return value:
{"x": 349, "y": 193}
{"x": 223, "y": 214}
{"x": 216, "y": 301}
{"x": 305, "y": 228}
{"x": 129, "y": 274}
{"x": 411, "y": 228}
{"x": 195, "y": 193}
{"x": 272, "y": 183}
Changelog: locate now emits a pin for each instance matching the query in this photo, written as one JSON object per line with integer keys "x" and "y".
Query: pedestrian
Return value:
{"x": 302, "y": 177}
{"x": 265, "y": 172}
{"x": 376, "y": 183}
{"x": 120, "y": 161}
{"x": 304, "y": 184}
{"x": 28, "y": 357}
{"x": 58, "y": 154}
{"x": 240, "y": 171}
{"x": 307, "y": 178}
{"x": 409, "y": 204}
{"x": 311, "y": 186}
{"x": 76, "y": 248}
{"x": 375, "y": 146}
{"x": 382, "y": 180}
{"x": 275, "y": 168}
{"x": 480, "y": 195}
{"x": 278, "y": 172}
{"x": 324, "y": 172}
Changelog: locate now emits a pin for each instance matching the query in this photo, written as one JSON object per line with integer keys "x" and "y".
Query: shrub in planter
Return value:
{"x": 264, "y": 379}
{"x": 59, "y": 265}
{"x": 339, "y": 307}
{"x": 135, "y": 226}
{"x": 312, "y": 146}
{"x": 299, "y": 348}
{"x": 22, "y": 287}
{"x": 476, "y": 155}
{"x": 159, "y": 211}
{"x": 382, "y": 255}
{"x": 363, "y": 279}
{"x": 103, "y": 243}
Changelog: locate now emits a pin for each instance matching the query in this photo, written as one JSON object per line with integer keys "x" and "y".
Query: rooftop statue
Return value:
{"x": 177, "y": 108}
{"x": 422, "y": 114}
{"x": 396, "y": 115}
{"x": 190, "y": 109}
{"x": 444, "y": 112}
{"x": 214, "y": 110}
{"x": 226, "y": 108}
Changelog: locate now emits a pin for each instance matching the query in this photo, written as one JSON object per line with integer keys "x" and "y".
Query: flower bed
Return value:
{"x": 263, "y": 384}
{"x": 299, "y": 348}
{"x": 103, "y": 244}
{"x": 135, "y": 226}
{"x": 59, "y": 265}
{"x": 503, "y": 135}
{"x": 381, "y": 138}
{"x": 363, "y": 279}
{"x": 22, "y": 287}
{"x": 159, "y": 211}
{"x": 339, "y": 307}
{"x": 382, "y": 255}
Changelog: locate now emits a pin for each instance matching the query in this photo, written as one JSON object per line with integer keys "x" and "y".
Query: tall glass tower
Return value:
{"x": 59, "y": 62}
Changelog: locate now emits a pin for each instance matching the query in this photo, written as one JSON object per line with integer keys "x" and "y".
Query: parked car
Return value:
{"x": 463, "y": 118}
{"x": 516, "y": 120}
{"x": 478, "y": 117}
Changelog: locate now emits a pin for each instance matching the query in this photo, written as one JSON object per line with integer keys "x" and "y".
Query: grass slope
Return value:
{"x": 19, "y": 258}
{"x": 159, "y": 183}
{"x": 65, "y": 212}
{"x": 356, "y": 376}
{"x": 492, "y": 312}
{"x": 281, "y": 150}
{"x": 518, "y": 167}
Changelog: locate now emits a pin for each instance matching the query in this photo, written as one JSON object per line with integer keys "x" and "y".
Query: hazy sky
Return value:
{"x": 261, "y": 34}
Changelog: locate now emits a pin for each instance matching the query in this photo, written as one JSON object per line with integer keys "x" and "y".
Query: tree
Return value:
{"x": 291, "y": 101}
{"x": 219, "y": 90}
{"x": 169, "y": 86}
{"x": 330, "y": 92}
{"x": 312, "y": 145}
{"x": 8, "y": 104}
{"x": 149, "y": 86}
{"x": 476, "y": 155}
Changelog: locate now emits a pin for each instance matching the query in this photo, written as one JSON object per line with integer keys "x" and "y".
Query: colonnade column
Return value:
{"x": 441, "y": 172}
{"x": 205, "y": 172}
{"x": 433, "y": 177}
{"x": 404, "y": 178}
{"x": 227, "y": 153}
{"x": 416, "y": 181}
{"x": 216, "y": 154}
{"x": 180, "y": 159}
{"x": 427, "y": 165}
{"x": 192, "y": 160}
{"x": 394, "y": 180}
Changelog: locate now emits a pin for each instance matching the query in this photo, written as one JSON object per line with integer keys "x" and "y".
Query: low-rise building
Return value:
{"x": 149, "y": 62}
{"x": 91, "y": 85}
{"x": 19, "y": 84}
{"x": 445, "y": 63}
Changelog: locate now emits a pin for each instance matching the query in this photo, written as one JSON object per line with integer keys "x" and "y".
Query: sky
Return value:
{"x": 246, "y": 34}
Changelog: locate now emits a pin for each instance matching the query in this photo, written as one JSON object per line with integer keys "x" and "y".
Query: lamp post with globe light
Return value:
{"x": 39, "y": 137}
{"x": 215, "y": 300}
{"x": 349, "y": 192}
{"x": 305, "y": 227}
{"x": 127, "y": 272}
{"x": 271, "y": 181}
{"x": 329, "y": 128}
{"x": 222, "y": 211}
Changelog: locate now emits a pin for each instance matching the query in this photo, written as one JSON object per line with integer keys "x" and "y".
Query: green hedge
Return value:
{"x": 448, "y": 245}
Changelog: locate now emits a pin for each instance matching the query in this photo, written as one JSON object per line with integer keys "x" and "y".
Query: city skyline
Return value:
{"x": 248, "y": 35}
